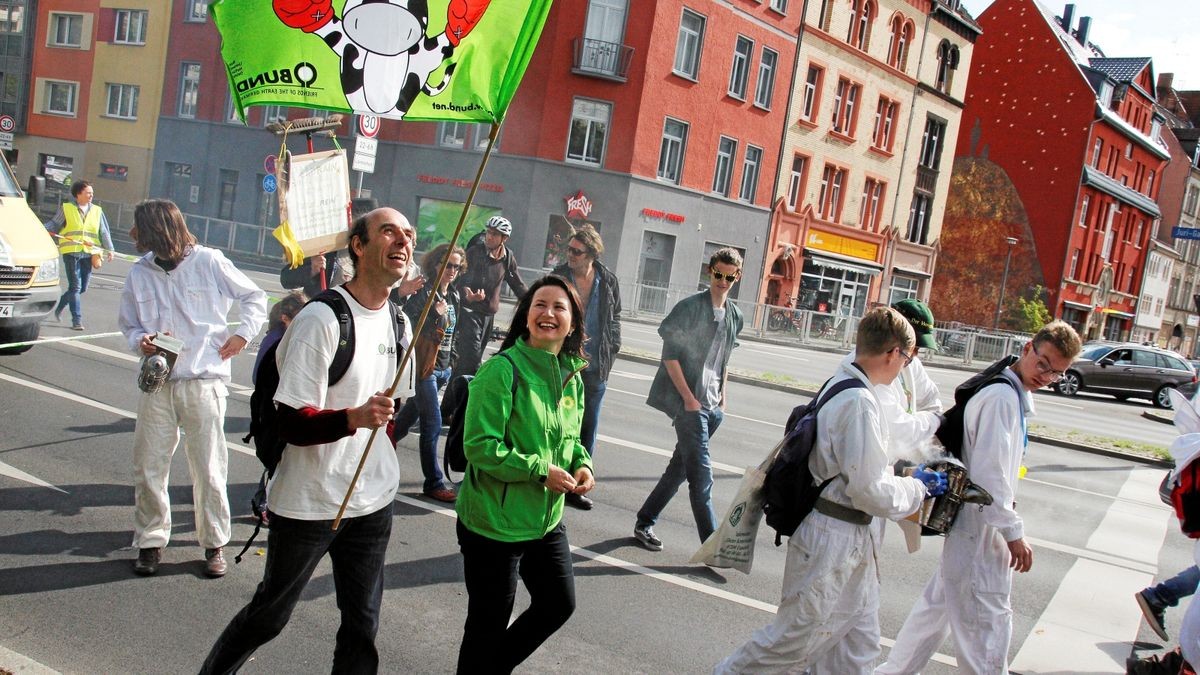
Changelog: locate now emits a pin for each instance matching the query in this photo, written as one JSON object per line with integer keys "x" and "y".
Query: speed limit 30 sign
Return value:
{"x": 368, "y": 125}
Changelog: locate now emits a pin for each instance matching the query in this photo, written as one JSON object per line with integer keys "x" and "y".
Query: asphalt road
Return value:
{"x": 68, "y": 599}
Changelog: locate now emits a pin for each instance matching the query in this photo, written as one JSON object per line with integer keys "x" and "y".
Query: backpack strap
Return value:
{"x": 843, "y": 385}
{"x": 344, "y": 353}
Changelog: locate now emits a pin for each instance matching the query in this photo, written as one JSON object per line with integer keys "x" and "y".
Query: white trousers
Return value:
{"x": 828, "y": 618}
{"x": 977, "y": 616}
{"x": 197, "y": 407}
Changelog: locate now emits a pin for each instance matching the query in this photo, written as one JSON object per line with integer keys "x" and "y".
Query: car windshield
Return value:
{"x": 1095, "y": 353}
{"x": 8, "y": 183}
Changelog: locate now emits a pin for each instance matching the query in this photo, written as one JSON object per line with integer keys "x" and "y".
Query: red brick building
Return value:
{"x": 1074, "y": 136}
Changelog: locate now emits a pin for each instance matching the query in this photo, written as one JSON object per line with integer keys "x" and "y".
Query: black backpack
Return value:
{"x": 951, "y": 431}
{"x": 788, "y": 489}
{"x": 264, "y": 417}
{"x": 454, "y": 414}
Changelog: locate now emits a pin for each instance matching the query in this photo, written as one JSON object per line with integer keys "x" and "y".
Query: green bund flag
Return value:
{"x": 451, "y": 60}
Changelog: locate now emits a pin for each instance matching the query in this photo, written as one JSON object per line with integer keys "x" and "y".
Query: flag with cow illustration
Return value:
{"x": 448, "y": 60}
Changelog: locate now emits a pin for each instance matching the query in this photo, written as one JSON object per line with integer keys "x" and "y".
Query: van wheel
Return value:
{"x": 1162, "y": 397}
{"x": 27, "y": 333}
{"x": 1070, "y": 384}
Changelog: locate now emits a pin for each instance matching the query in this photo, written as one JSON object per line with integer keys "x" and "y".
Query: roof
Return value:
{"x": 1123, "y": 69}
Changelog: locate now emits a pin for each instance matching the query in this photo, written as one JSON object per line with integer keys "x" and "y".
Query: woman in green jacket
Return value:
{"x": 522, "y": 445}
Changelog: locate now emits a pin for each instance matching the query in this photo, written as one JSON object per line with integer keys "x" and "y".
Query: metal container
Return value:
{"x": 939, "y": 513}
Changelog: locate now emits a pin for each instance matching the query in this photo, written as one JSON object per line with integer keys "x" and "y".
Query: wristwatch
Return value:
{"x": 542, "y": 478}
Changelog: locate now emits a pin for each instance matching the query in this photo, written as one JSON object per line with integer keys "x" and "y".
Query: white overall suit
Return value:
{"x": 912, "y": 406}
{"x": 828, "y": 619}
{"x": 968, "y": 596}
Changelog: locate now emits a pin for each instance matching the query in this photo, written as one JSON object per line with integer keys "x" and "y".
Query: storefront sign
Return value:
{"x": 836, "y": 243}
{"x": 662, "y": 215}
{"x": 578, "y": 205}
{"x": 458, "y": 182}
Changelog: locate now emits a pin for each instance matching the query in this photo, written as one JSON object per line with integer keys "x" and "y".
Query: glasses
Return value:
{"x": 717, "y": 276}
{"x": 908, "y": 358}
{"x": 453, "y": 267}
{"x": 1044, "y": 369}
{"x": 571, "y": 250}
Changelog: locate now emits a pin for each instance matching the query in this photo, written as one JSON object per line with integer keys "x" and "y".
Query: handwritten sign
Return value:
{"x": 315, "y": 200}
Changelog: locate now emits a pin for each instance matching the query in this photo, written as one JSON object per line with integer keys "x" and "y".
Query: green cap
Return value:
{"x": 921, "y": 319}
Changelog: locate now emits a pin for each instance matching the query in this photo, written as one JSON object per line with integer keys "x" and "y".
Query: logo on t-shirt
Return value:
{"x": 386, "y": 349}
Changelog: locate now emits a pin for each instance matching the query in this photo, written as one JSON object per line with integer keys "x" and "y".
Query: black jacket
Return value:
{"x": 430, "y": 339}
{"x": 602, "y": 348}
{"x": 485, "y": 272}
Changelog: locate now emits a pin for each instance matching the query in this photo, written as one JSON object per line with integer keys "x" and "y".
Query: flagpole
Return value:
{"x": 462, "y": 219}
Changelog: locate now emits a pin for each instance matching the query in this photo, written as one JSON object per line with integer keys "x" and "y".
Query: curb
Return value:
{"x": 1038, "y": 438}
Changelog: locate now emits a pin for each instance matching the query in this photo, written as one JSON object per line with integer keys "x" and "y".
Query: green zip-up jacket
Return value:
{"x": 511, "y": 439}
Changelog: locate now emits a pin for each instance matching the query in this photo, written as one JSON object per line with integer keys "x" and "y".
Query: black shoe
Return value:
{"x": 147, "y": 561}
{"x": 645, "y": 537}
{"x": 1155, "y": 614}
{"x": 581, "y": 502}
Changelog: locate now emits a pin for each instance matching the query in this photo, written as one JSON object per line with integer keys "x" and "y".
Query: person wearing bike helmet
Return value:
{"x": 489, "y": 262}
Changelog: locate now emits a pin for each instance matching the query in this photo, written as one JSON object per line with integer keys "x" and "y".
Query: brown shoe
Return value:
{"x": 147, "y": 561}
{"x": 214, "y": 562}
{"x": 442, "y": 495}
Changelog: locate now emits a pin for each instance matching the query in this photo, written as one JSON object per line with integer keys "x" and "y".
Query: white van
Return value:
{"x": 28, "y": 266}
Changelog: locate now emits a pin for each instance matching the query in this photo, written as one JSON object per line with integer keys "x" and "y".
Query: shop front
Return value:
{"x": 838, "y": 273}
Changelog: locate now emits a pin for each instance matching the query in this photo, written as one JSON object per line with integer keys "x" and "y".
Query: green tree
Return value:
{"x": 1029, "y": 313}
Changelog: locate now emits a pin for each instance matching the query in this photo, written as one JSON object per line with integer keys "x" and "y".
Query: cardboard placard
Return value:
{"x": 314, "y": 199}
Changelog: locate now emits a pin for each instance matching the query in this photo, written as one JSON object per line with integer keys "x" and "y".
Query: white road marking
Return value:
{"x": 232, "y": 386}
{"x": 633, "y": 376}
{"x": 1091, "y": 620}
{"x": 14, "y": 472}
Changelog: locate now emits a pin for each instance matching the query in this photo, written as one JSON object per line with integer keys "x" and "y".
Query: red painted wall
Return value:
{"x": 59, "y": 63}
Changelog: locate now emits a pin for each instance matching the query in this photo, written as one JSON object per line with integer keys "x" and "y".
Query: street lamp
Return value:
{"x": 1012, "y": 241}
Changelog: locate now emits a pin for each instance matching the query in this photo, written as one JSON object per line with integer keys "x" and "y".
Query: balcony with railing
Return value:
{"x": 596, "y": 58}
{"x": 926, "y": 180}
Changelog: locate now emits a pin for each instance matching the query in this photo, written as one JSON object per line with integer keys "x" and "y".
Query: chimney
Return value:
{"x": 1166, "y": 82}
{"x": 1085, "y": 26}
{"x": 1068, "y": 18}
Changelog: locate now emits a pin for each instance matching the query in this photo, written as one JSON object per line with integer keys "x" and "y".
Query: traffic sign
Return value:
{"x": 1185, "y": 232}
{"x": 269, "y": 164}
{"x": 269, "y": 184}
{"x": 7, "y": 123}
{"x": 368, "y": 125}
{"x": 364, "y": 154}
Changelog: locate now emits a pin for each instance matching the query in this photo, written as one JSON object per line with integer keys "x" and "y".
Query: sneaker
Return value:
{"x": 1154, "y": 613}
{"x": 581, "y": 502}
{"x": 442, "y": 495}
{"x": 645, "y": 537}
{"x": 58, "y": 314}
{"x": 214, "y": 562}
{"x": 77, "y": 326}
{"x": 147, "y": 561}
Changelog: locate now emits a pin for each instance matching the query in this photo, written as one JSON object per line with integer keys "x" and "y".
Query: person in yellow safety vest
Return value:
{"x": 81, "y": 230}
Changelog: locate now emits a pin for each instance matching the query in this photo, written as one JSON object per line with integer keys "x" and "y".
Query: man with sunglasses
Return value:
{"x": 698, "y": 336}
{"x": 968, "y": 596}
{"x": 600, "y": 295}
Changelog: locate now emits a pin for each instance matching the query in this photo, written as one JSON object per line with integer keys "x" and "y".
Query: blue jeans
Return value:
{"x": 593, "y": 395}
{"x": 490, "y": 569}
{"x": 294, "y": 547}
{"x": 1171, "y": 591}
{"x": 424, "y": 406}
{"x": 690, "y": 461}
{"x": 78, "y": 269}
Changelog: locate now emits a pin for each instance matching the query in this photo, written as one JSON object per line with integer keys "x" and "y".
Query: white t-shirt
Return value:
{"x": 311, "y": 481}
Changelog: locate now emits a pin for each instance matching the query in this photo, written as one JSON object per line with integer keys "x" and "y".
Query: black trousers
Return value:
{"x": 471, "y": 336}
{"x": 491, "y": 567}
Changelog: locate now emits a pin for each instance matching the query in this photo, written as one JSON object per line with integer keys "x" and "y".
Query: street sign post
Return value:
{"x": 368, "y": 125}
{"x": 1180, "y": 232}
{"x": 270, "y": 184}
{"x": 364, "y": 154}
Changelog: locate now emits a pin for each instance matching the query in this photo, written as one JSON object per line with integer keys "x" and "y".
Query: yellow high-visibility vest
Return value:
{"x": 79, "y": 230}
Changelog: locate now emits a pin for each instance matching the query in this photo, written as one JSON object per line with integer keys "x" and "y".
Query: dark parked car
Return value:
{"x": 1128, "y": 371}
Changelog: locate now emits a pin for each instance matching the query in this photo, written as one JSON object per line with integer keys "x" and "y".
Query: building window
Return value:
{"x": 870, "y": 213}
{"x": 1193, "y": 196}
{"x": 903, "y": 288}
{"x": 1096, "y": 152}
{"x": 231, "y": 115}
{"x": 812, "y": 93}
{"x": 274, "y": 113}
{"x": 189, "y": 89}
{"x": 670, "y": 155}
{"x": 825, "y": 18}
{"x": 1083, "y": 210}
{"x": 66, "y": 30}
{"x": 931, "y": 143}
{"x": 779, "y": 6}
{"x": 765, "y": 87}
{"x": 901, "y": 38}
{"x": 197, "y": 10}
{"x": 452, "y": 134}
{"x": 1150, "y": 183}
{"x": 1105, "y": 94}
{"x": 60, "y": 97}
{"x": 947, "y": 57}
{"x": 130, "y": 27}
{"x": 228, "y": 194}
{"x": 114, "y": 171}
{"x": 689, "y": 44}
{"x": 589, "y": 131}
{"x": 739, "y": 73}
{"x": 885, "y": 119}
{"x": 859, "y": 33}
{"x": 122, "y": 101}
{"x": 918, "y": 219}
{"x": 797, "y": 180}
{"x": 845, "y": 106}
{"x": 750, "y": 173}
{"x": 832, "y": 180}
{"x": 723, "y": 174}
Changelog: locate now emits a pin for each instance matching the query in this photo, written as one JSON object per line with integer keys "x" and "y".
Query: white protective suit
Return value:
{"x": 828, "y": 619}
{"x": 968, "y": 596}
{"x": 912, "y": 406}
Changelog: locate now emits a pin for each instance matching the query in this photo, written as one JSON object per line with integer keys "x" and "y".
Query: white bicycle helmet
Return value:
{"x": 500, "y": 224}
